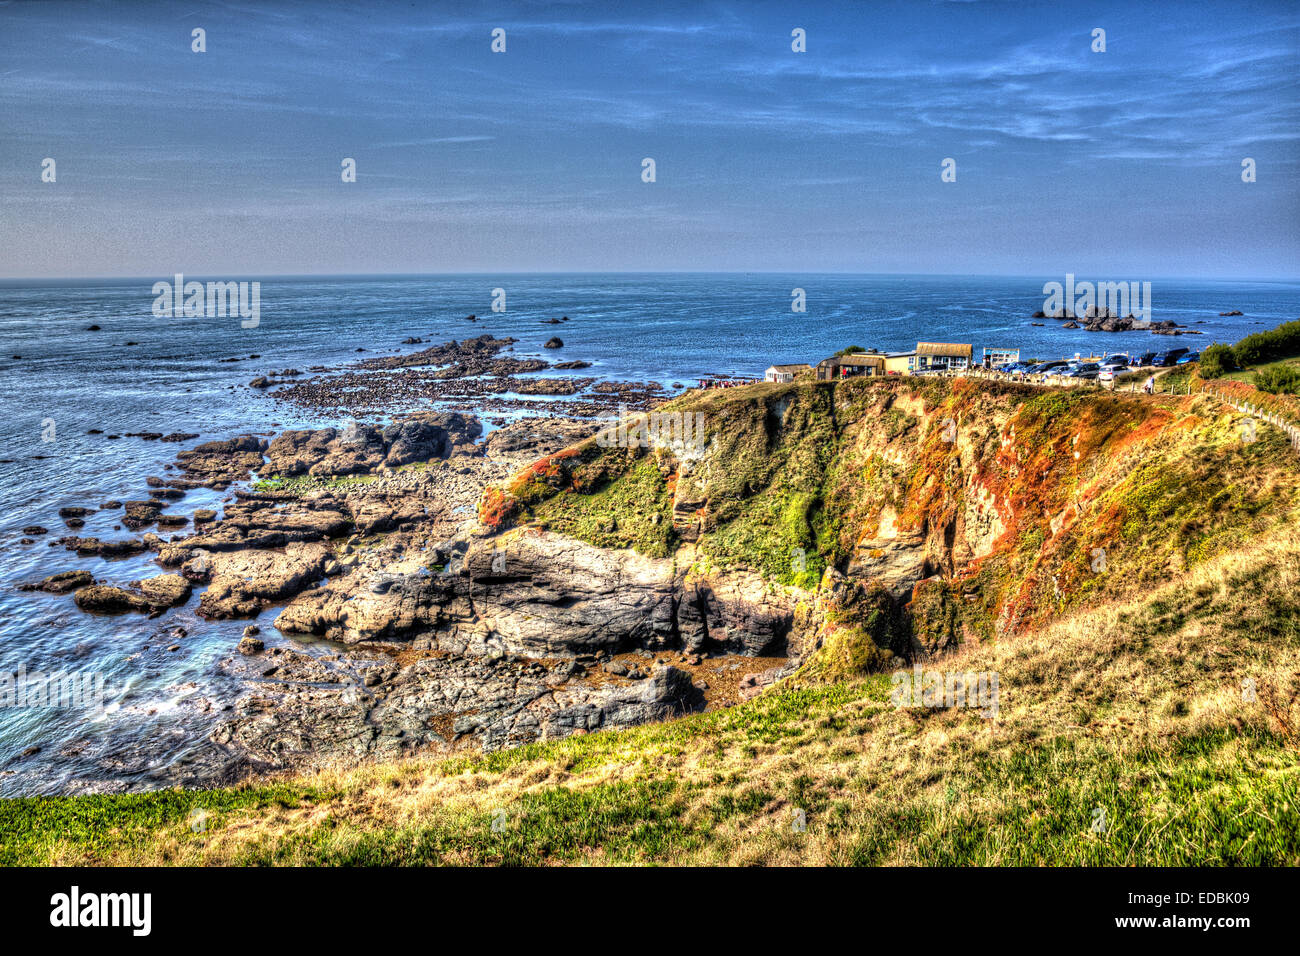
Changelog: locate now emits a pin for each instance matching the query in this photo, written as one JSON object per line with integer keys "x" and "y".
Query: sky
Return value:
{"x": 1122, "y": 164}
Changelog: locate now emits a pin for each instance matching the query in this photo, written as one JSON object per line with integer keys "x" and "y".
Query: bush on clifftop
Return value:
{"x": 1278, "y": 380}
{"x": 1269, "y": 346}
{"x": 1217, "y": 360}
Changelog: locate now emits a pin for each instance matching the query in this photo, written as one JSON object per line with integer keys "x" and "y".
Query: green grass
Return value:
{"x": 1248, "y": 374}
{"x": 1221, "y": 796}
{"x": 103, "y": 826}
{"x": 1205, "y": 800}
{"x": 634, "y": 511}
{"x": 302, "y": 484}
{"x": 622, "y": 822}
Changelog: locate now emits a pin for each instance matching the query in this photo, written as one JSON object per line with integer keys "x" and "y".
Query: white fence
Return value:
{"x": 1288, "y": 428}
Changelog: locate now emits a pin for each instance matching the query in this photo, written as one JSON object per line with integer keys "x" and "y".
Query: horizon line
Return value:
{"x": 294, "y": 276}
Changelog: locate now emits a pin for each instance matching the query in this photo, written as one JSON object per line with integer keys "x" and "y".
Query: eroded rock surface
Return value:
{"x": 538, "y": 594}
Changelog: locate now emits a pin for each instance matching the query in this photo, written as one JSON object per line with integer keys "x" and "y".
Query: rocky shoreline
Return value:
{"x": 401, "y": 624}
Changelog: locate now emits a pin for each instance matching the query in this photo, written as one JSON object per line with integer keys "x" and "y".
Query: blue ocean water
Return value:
{"x": 667, "y": 328}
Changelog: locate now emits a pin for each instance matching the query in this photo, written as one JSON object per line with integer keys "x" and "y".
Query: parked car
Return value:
{"x": 1189, "y": 357}
{"x": 1115, "y": 361}
{"x": 1085, "y": 370}
{"x": 1144, "y": 360}
{"x": 1048, "y": 368}
{"x": 1109, "y": 373}
{"x": 1168, "y": 358}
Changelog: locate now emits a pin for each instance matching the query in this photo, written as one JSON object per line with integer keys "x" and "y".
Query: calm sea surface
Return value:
{"x": 640, "y": 327}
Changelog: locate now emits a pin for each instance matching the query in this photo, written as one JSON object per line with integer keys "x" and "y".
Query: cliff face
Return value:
{"x": 905, "y": 517}
{"x": 535, "y": 594}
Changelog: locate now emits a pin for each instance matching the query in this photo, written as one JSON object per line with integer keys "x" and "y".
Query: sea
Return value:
{"x": 141, "y": 373}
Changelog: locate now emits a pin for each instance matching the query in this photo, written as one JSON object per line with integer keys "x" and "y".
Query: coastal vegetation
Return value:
{"x": 798, "y": 478}
{"x": 302, "y": 484}
{"x": 1278, "y": 379}
{"x": 1269, "y": 360}
{"x": 1135, "y": 707}
{"x": 1123, "y": 562}
{"x": 1270, "y": 346}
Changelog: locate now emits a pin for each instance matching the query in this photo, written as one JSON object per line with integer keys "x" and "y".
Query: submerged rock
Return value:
{"x": 61, "y": 583}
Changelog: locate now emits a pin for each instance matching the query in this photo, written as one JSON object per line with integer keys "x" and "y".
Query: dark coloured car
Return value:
{"x": 1166, "y": 359}
{"x": 1145, "y": 360}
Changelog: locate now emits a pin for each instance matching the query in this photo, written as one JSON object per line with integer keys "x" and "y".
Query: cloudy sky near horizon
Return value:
{"x": 1123, "y": 164}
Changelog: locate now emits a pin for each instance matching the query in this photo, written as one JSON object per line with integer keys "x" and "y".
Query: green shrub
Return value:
{"x": 1217, "y": 360}
{"x": 1269, "y": 346}
{"x": 1278, "y": 379}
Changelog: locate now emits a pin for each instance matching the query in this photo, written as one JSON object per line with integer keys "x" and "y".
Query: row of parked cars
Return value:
{"x": 1106, "y": 370}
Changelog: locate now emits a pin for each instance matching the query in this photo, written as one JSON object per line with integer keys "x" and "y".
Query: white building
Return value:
{"x": 784, "y": 373}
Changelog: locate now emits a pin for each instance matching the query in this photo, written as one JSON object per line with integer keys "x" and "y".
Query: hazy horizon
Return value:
{"x": 361, "y": 276}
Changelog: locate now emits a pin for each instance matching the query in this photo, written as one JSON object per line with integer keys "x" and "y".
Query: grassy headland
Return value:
{"x": 1157, "y": 690}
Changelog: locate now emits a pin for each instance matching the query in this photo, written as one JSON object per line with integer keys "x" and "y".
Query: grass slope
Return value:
{"x": 1134, "y": 707}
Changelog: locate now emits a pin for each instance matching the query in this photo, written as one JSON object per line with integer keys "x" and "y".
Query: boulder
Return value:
{"x": 413, "y": 440}
{"x": 244, "y": 582}
{"x": 104, "y": 599}
{"x": 61, "y": 583}
{"x": 164, "y": 590}
{"x": 251, "y": 645}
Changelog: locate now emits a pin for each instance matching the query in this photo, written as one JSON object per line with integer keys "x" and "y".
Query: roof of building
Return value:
{"x": 906, "y": 354}
{"x": 861, "y": 358}
{"x": 802, "y": 367}
{"x": 943, "y": 348}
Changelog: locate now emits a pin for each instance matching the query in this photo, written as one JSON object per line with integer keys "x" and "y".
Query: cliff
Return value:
{"x": 1122, "y": 570}
{"x": 905, "y": 518}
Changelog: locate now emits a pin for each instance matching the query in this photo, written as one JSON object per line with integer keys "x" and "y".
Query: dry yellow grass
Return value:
{"x": 1134, "y": 707}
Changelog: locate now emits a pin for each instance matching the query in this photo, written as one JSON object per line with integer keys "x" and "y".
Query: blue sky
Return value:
{"x": 1124, "y": 164}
